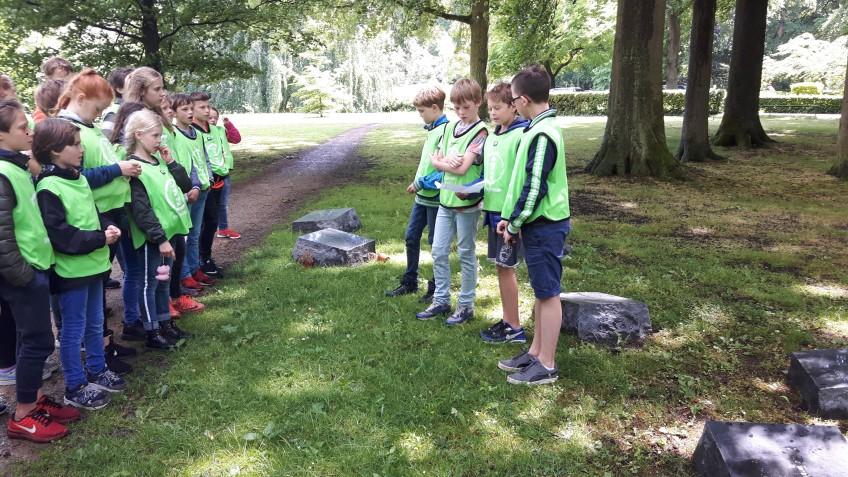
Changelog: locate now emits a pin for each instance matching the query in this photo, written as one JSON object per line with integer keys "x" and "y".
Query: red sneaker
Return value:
{"x": 186, "y": 304}
{"x": 36, "y": 426}
{"x": 190, "y": 282}
{"x": 228, "y": 233}
{"x": 172, "y": 310}
{"x": 57, "y": 412}
{"x": 203, "y": 279}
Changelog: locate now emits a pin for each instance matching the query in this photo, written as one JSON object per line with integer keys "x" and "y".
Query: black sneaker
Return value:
{"x": 115, "y": 364}
{"x": 210, "y": 268}
{"x": 460, "y": 316}
{"x": 171, "y": 331}
{"x": 134, "y": 333}
{"x": 431, "y": 289}
{"x": 155, "y": 340}
{"x": 403, "y": 289}
{"x": 433, "y": 311}
{"x": 534, "y": 375}
{"x": 517, "y": 362}
{"x": 4, "y": 407}
{"x": 107, "y": 380}
{"x": 86, "y": 396}
{"x": 112, "y": 284}
{"x": 501, "y": 332}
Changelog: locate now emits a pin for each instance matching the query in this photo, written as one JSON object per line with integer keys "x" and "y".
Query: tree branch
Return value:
{"x": 435, "y": 12}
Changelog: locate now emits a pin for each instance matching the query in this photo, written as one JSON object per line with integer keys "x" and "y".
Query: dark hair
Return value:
{"x": 200, "y": 96}
{"x": 55, "y": 63}
{"x": 116, "y": 78}
{"x": 533, "y": 82}
{"x": 124, "y": 113}
{"x": 213, "y": 108}
{"x": 8, "y": 110}
{"x": 52, "y": 135}
{"x": 501, "y": 92}
{"x": 47, "y": 96}
{"x": 180, "y": 99}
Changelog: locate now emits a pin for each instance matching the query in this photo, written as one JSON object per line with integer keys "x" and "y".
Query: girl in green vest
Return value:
{"x": 80, "y": 240}
{"x": 25, "y": 258}
{"x": 159, "y": 213}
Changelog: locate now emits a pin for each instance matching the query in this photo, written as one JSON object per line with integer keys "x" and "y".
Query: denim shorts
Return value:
{"x": 543, "y": 244}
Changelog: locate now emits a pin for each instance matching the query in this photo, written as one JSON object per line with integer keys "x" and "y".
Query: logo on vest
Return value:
{"x": 174, "y": 196}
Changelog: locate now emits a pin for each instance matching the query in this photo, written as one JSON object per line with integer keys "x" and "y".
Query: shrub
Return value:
{"x": 806, "y": 88}
{"x": 820, "y": 104}
{"x": 594, "y": 103}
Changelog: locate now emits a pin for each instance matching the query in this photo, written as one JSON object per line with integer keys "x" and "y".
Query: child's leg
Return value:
{"x": 73, "y": 304}
{"x": 466, "y": 234}
{"x": 95, "y": 360}
{"x": 223, "y": 223}
{"x": 536, "y": 344}
{"x": 179, "y": 245}
{"x": 508, "y": 285}
{"x": 161, "y": 297}
{"x": 192, "y": 258}
{"x": 133, "y": 277}
{"x": 150, "y": 259}
{"x": 445, "y": 230}
{"x": 432, "y": 212}
{"x": 414, "y": 230}
{"x": 8, "y": 336}
{"x": 210, "y": 224}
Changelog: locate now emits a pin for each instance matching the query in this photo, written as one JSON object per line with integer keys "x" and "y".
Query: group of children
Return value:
{"x": 115, "y": 168}
{"x": 524, "y": 199}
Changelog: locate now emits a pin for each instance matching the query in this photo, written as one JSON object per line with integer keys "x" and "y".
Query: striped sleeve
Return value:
{"x": 539, "y": 164}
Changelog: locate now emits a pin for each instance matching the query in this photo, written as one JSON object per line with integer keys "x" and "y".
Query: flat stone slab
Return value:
{"x": 821, "y": 377}
{"x": 606, "y": 319}
{"x": 340, "y": 219}
{"x": 331, "y": 247}
{"x": 742, "y": 449}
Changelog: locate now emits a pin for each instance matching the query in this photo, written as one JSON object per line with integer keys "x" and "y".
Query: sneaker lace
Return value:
{"x": 47, "y": 402}
{"x": 40, "y": 417}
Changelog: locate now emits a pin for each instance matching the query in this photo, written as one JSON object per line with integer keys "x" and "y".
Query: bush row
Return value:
{"x": 801, "y": 104}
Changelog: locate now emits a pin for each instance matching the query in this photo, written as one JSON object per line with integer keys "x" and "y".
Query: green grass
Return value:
{"x": 313, "y": 372}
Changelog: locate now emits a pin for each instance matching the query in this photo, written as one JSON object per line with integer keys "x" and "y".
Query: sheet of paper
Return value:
{"x": 463, "y": 189}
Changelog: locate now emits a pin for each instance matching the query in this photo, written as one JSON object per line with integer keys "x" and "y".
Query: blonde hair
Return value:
{"x": 135, "y": 87}
{"x": 466, "y": 90}
{"x": 430, "y": 96}
{"x": 139, "y": 121}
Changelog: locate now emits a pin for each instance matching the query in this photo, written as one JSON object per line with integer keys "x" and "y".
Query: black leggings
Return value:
{"x": 8, "y": 337}
{"x": 210, "y": 224}
{"x": 179, "y": 245}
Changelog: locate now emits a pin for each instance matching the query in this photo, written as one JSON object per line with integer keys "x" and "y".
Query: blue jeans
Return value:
{"x": 463, "y": 225}
{"x": 222, "y": 206}
{"x": 133, "y": 275}
{"x": 420, "y": 217}
{"x": 191, "y": 262}
{"x": 82, "y": 323}
{"x": 153, "y": 294}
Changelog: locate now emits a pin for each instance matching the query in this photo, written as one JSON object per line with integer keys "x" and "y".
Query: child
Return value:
{"x": 187, "y": 149}
{"x": 498, "y": 161}
{"x": 46, "y": 98}
{"x": 459, "y": 158}
{"x": 80, "y": 243}
{"x": 7, "y": 88}
{"x": 159, "y": 213}
{"x": 216, "y": 153}
{"x": 231, "y": 136}
{"x": 116, "y": 80}
{"x": 430, "y": 103}
{"x": 536, "y": 206}
{"x": 25, "y": 257}
{"x": 56, "y": 68}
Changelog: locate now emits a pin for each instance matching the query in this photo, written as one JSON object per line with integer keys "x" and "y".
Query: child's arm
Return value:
{"x": 13, "y": 268}
{"x": 143, "y": 215}
{"x": 460, "y": 167}
{"x": 64, "y": 237}
{"x": 233, "y": 136}
{"x": 540, "y": 161}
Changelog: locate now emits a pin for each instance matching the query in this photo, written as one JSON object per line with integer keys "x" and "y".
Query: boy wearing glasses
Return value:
{"x": 536, "y": 208}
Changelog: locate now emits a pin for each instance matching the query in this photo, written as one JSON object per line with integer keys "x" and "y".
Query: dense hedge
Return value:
{"x": 594, "y": 103}
{"x": 806, "y": 88}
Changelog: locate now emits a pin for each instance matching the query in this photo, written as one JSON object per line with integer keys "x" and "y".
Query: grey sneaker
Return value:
{"x": 517, "y": 362}
{"x": 433, "y": 311}
{"x": 107, "y": 381}
{"x": 460, "y": 316}
{"x": 86, "y": 396}
{"x": 534, "y": 375}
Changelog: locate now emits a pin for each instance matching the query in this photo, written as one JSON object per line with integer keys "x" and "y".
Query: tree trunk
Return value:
{"x": 840, "y": 168}
{"x": 673, "y": 54}
{"x": 741, "y": 125}
{"x": 634, "y": 140}
{"x": 479, "y": 48}
{"x": 695, "y": 137}
{"x": 150, "y": 35}
{"x": 550, "y": 69}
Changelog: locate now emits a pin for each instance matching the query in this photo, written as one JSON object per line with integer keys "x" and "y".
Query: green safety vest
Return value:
{"x": 30, "y": 233}
{"x": 98, "y": 152}
{"x": 112, "y": 109}
{"x": 189, "y": 152}
{"x": 221, "y": 136}
{"x": 214, "y": 150}
{"x": 166, "y": 199}
{"x": 425, "y": 165}
{"x": 554, "y": 206}
{"x": 81, "y": 213}
{"x": 458, "y": 145}
{"x": 498, "y": 160}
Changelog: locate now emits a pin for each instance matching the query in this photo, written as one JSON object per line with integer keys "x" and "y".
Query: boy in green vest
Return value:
{"x": 536, "y": 207}
{"x": 430, "y": 103}
{"x": 80, "y": 241}
{"x": 25, "y": 258}
{"x": 498, "y": 161}
{"x": 459, "y": 158}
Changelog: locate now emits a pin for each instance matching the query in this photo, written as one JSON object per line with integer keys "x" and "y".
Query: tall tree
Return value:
{"x": 840, "y": 168}
{"x": 634, "y": 139}
{"x": 740, "y": 125}
{"x": 694, "y": 139}
{"x": 672, "y": 63}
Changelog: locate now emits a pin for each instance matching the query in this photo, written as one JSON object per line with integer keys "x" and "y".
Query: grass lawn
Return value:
{"x": 313, "y": 372}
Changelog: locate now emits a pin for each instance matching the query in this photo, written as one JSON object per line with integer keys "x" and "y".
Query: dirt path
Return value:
{"x": 255, "y": 207}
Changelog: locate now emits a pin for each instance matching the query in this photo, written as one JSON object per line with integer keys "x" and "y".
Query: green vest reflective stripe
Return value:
{"x": 220, "y": 133}
{"x": 30, "y": 233}
{"x": 80, "y": 212}
{"x": 498, "y": 160}
{"x": 554, "y": 206}
{"x": 214, "y": 151}
{"x": 189, "y": 152}
{"x": 457, "y": 146}
{"x": 166, "y": 199}
{"x": 425, "y": 166}
{"x": 98, "y": 152}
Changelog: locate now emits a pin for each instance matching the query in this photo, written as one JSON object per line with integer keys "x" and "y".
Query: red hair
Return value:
{"x": 89, "y": 83}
